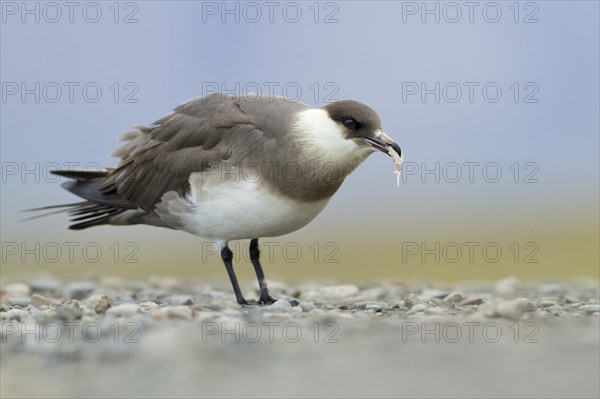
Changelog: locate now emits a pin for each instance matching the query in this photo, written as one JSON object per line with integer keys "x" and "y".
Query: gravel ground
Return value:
{"x": 112, "y": 337}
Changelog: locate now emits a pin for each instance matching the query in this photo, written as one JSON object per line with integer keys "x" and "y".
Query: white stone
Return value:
{"x": 412, "y": 299}
{"x": 339, "y": 291}
{"x": 124, "y": 310}
{"x": 432, "y": 310}
{"x": 280, "y": 305}
{"x": 316, "y": 312}
{"x": 79, "y": 289}
{"x": 306, "y": 306}
{"x": 38, "y": 301}
{"x": 49, "y": 286}
{"x": 99, "y": 303}
{"x": 419, "y": 307}
{"x": 589, "y": 309}
{"x": 14, "y": 314}
{"x": 149, "y": 306}
{"x": 16, "y": 289}
{"x": 473, "y": 301}
{"x": 514, "y": 308}
{"x": 454, "y": 297}
{"x": 21, "y": 301}
{"x": 179, "y": 312}
{"x": 429, "y": 294}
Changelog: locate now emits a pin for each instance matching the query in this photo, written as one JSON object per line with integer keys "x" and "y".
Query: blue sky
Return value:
{"x": 543, "y": 125}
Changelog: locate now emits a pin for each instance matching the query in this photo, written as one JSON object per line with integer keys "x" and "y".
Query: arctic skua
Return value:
{"x": 231, "y": 168}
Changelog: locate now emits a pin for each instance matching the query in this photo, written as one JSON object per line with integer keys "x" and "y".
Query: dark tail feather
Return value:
{"x": 80, "y": 174}
{"x": 87, "y": 213}
{"x": 43, "y": 208}
{"x": 94, "y": 218}
{"x": 99, "y": 206}
{"x": 64, "y": 208}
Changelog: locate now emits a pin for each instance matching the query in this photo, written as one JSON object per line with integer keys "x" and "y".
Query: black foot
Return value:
{"x": 245, "y": 303}
{"x": 269, "y": 300}
{"x": 266, "y": 300}
{"x": 253, "y": 304}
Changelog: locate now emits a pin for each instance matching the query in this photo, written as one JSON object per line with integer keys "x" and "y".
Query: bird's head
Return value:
{"x": 346, "y": 132}
{"x": 361, "y": 124}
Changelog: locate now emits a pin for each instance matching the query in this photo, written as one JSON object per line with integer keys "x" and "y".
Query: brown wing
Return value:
{"x": 159, "y": 158}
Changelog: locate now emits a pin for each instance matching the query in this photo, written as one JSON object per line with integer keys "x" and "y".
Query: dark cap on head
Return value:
{"x": 358, "y": 119}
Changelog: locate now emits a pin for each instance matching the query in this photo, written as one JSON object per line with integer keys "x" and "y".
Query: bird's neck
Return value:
{"x": 318, "y": 158}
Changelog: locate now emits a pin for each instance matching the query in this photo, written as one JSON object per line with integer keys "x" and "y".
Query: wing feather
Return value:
{"x": 160, "y": 158}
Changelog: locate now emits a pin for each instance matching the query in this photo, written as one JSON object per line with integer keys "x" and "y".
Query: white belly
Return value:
{"x": 224, "y": 211}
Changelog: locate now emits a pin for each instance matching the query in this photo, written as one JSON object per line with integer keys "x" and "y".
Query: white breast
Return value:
{"x": 234, "y": 210}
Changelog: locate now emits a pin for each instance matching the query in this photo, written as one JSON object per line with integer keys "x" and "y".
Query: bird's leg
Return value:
{"x": 265, "y": 298}
{"x": 227, "y": 257}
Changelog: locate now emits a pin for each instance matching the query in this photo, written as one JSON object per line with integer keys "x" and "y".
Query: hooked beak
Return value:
{"x": 384, "y": 143}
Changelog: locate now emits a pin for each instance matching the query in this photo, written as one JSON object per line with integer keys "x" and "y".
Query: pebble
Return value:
{"x": 430, "y": 294}
{"x": 21, "y": 301}
{"x": 362, "y": 305}
{"x": 218, "y": 304}
{"x": 179, "y": 300}
{"x": 169, "y": 299}
{"x": 151, "y": 294}
{"x": 149, "y": 306}
{"x": 16, "y": 289}
{"x": 434, "y": 310}
{"x": 555, "y": 310}
{"x": 99, "y": 303}
{"x": 514, "y": 308}
{"x": 124, "y": 298}
{"x": 473, "y": 301}
{"x": 419, "y": 307}
{"x": 46, "y": 286}
{"x": 124, "y": 310}
{"x": 316, "y": 312}
{"x": 306, "y": 306}
{"x": 70, "y": 310}
{"x": 178, "y": 312}
{"x": 79, "y": 289}
{"x": 375, "y": 294}
{"x": 453, "y": 297}
{"x": 14, "y": 314}
{"x": 411, "y": 300}
{"x": 281, "y": 305}
{"x": 338, "y": 291}
{"x": 572, "y": 299}
{"x": 589, "y": 309}
{"x": 203, "y": 300}
{"x": 39, "y": 300}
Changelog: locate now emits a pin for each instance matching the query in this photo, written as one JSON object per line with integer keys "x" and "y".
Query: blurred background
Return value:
{"x": 495, "y": 106}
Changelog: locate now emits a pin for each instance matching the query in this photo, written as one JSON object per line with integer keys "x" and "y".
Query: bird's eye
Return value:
{"x": 350, "y": 123}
